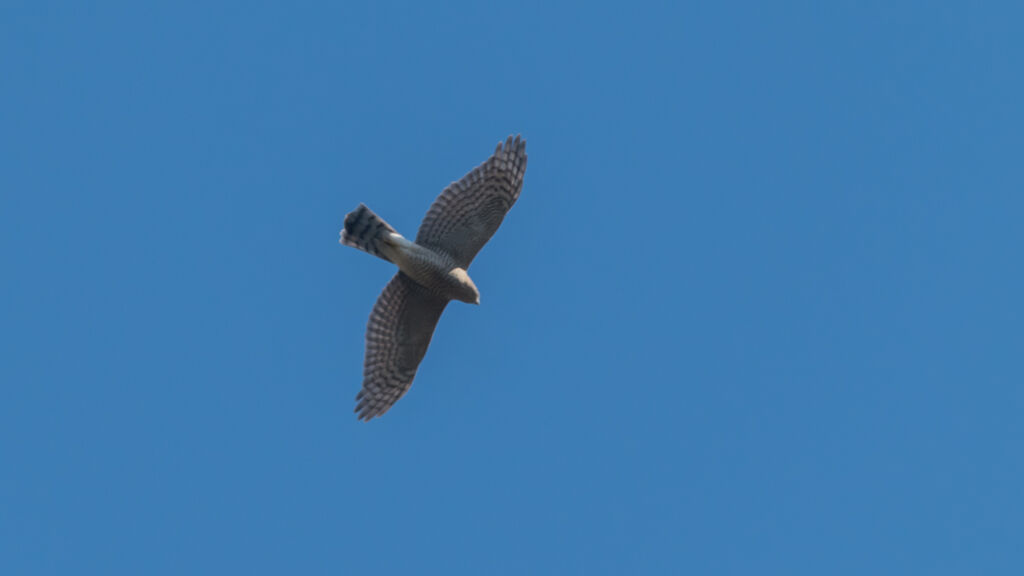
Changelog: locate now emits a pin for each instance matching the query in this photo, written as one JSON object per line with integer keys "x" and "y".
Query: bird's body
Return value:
{"x": 432, "y": 270}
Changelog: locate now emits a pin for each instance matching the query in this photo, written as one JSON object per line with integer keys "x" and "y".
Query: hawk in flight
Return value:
{"x": 431, "y": 270}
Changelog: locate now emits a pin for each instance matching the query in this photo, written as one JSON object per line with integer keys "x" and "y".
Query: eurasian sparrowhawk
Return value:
{"x": 431, "y": 270}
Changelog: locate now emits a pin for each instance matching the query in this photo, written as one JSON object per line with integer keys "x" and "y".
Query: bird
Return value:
{"x": 432, "y": 270}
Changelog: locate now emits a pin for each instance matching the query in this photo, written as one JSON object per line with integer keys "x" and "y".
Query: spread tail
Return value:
{"x": 366, "y": 231}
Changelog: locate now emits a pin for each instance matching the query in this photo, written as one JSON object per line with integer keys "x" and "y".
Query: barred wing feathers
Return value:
{"x": 465, "y": 216}
{"x": 397, "y": 336}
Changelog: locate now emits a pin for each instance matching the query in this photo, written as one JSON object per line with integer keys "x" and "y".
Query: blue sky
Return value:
{"x": 757, "y": 311}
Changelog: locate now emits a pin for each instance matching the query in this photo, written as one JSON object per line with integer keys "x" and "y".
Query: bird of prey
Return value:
{"x": 431, "y": 270}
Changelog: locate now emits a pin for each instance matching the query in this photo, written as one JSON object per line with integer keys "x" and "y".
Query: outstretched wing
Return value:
{"x": 397, "y": 337}
{"x": 468, "y": 212}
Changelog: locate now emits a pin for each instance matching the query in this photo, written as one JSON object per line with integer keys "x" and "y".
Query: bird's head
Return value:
{"x": 465, "y": 289}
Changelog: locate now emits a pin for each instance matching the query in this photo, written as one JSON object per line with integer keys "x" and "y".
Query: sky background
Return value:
{"x": 757, "y": 311}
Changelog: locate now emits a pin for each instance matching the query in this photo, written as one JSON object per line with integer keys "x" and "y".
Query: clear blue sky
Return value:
{"x": 757, "y": 311}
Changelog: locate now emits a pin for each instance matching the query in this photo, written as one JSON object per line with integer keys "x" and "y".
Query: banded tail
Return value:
{"x": 367, "y": 232}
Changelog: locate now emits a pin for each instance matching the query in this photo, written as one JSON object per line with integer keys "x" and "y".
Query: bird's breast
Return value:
{"x": 436, "y": 272}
